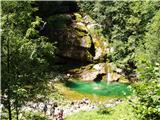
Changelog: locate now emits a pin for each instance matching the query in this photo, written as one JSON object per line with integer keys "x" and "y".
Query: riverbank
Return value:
{"x": 111, "y": 110}
{"x": 69, "y": 109}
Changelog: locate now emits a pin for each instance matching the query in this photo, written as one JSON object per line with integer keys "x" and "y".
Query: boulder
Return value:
{"x": 92, "y": 73}
{"x": 96, "y": 72}
{"x": 88, "y": 76}
{"x": 100, "y": 67}
{"x": 89, "y": 72}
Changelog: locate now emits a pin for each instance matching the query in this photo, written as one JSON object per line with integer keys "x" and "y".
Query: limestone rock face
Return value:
{"x": 77, "y": 37}
{"x": 96, "y": 72}
{"x": 79, "y": 40}
{"x": 92, "y": 73}
{"x": 76, "y": 53}
{"x": 99, "y": 41}
{"x": 88, "y": 76}
{"x": 100, "y": 67}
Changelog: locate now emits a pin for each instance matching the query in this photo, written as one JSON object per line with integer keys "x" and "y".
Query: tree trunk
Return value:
{"x": 8, "y": 66}
{"x": 9, "y": 106}
{"x": 17, "y": 111}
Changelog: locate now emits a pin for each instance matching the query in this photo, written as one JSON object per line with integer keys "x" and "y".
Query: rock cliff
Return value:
{"x": 77, "y": 37}
{"x": 79, "y": 40}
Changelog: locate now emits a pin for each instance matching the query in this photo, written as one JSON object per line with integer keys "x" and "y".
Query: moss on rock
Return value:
{"x": 78, "y": 17}
{"x": 85, "y": 41}
{"x": 122, "y": 79}
{"x": 80, "y": 33}
{"x": 81, "y": 27}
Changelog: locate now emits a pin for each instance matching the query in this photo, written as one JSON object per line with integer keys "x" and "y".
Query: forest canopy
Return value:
{"x": 30, "y": 42}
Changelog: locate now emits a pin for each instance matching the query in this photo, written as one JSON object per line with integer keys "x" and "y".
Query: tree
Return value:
{"x": 147, "y": 54}
{"x": 133, "y": 30}
{"x": 124, "y": 24}
{"x": 24, "y": 55}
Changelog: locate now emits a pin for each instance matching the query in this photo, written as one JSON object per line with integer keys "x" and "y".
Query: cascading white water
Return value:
{"x": 109, "y": 79}
{"x": 108, "y": 73}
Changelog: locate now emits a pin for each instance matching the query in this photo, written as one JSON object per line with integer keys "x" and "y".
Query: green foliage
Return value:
{"x": 122, "y": 111}
{"x": 104, "y": 110}
{"x": 35, "y": 116}
{"x": 133, "y": 29}
{"x": 124, "y": 24}
{"x": 24, "y": 54}
{"x": 27, "y": 116}
{"x": 147, "y": 104}
{"x": 147, "y": 55}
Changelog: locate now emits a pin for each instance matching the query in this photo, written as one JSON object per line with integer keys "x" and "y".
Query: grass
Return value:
{"x": 122, "y": 111}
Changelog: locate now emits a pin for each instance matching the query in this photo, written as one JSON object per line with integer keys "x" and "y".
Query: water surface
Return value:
{"x": 99, "y": 88}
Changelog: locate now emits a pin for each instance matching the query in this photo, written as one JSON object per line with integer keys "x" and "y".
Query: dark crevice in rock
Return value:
{"x": 98, "y": 78}
{"x": 68, "y": 60}
{"x": 92, "y": 49}
{"x": 81, "y": 30}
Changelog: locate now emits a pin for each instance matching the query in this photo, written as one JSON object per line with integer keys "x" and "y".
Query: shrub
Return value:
{"x": 35, "y": 116}
{"x": 147, "y": 102}
{"x": 104, "y": 110}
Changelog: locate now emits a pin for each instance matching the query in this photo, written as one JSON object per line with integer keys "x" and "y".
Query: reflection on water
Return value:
{"x": 99, "y": 88}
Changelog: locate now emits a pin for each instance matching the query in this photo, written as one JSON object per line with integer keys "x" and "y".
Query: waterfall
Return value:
{"x": 109, "y": 79}
{"x": 108, "y": 73}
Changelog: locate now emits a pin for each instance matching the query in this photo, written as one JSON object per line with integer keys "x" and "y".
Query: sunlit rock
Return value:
{"x": 88, "y": 76}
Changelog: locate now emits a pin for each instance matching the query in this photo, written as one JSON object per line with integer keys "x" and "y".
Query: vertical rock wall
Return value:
{"x": 79, "y": 40}
{"x": 77, "y": 37}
